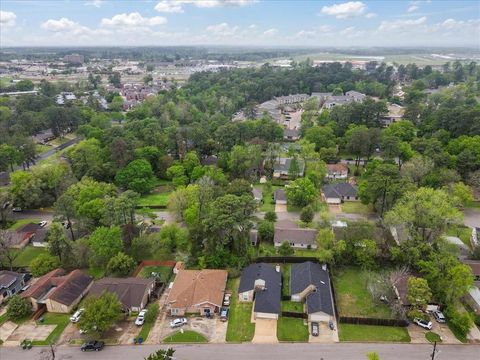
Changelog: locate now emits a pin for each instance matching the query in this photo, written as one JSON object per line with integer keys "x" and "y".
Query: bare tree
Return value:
{"x": 7, "y": 253}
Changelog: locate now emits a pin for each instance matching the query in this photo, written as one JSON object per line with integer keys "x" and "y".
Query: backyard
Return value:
{"x": 292, "y": 306}
{"x": 353, "y": 298}
{"x": 268, "y": 203}
{"x": 186, "y": 336}
{"x": 240, "y": 328}
{"x": 27, "y": 254}
{"x": 351, "y": 332}
{"x": 164, "y": 272}
{"x": 291, "y": 329}
{"x": 286, "y": 279}
{"x": 158, "y": 198}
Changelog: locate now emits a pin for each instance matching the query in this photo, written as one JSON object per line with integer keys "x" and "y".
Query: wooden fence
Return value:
{"x": 373, "y": 321}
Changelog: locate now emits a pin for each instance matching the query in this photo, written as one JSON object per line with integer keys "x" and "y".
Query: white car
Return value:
{"x": 75, "y": 317}
{"x": 42, "y": 223}
{"x": 178, "y": 322}
{"x": 423, "y": 323}
{"x": 226, "y": 300}
{"x": 140, "y": 318}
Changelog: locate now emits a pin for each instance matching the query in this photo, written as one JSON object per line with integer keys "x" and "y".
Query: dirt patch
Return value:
{"x": 265, "y": 331}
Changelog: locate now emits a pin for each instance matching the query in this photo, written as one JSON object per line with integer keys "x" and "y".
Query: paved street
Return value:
{"x": 340, "y": 351}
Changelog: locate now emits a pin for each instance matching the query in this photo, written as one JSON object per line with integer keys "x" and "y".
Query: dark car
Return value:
{"x": 93, "y": 345}
{"x": 315, "y": 328}
{"x": 224, "y": 314}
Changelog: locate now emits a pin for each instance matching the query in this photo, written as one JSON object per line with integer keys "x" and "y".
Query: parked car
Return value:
{"x": 315, "y": 328}
{"x": 226, "y": 300}
{"x": 140, "y": 318}
{"x": 438, "y": 315}
{"x": 75, "y": 317}
{"x": 93, "y": 345}
{"x": 331, "y": 325}
{"x": 423, "y": 323}
{"x": 17, "y": 209}
{"x": 178, "y": 322}
{"x": 224, "y": 314}
{"x": 42, "y": 223}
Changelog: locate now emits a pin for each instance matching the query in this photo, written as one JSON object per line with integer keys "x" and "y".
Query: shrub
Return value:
{"x": 462, "y": 322}
{"x": 266, "y": 231}
{"x": 152, "y": 312}
{"x": 415, "y": 313}
{"x": 18, "y": 308}
{"x": 285, "y": 249}
{"x": 307, "y": 214}
{"x": 271, "y": 216}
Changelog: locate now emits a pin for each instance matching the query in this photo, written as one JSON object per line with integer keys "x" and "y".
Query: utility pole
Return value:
{"x": 434, "y": 350}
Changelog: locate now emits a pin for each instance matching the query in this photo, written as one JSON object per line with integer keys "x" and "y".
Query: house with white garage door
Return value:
{"x": 310, "y": 283}
{"x": 262, "y": 284}
{"x": 339, "y": 192}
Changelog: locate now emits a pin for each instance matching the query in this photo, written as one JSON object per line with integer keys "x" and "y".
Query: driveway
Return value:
{"x": 471, "y": 217}
{"x": 417, "y": 334}
{"x": 7, "y": 329}
{"x": 265, "y": 331}
{"x": 325, "y": 335}
{"x": 30, "y": 331}
{"x": 280, "y": 208}
{"x": 202, "y": 325}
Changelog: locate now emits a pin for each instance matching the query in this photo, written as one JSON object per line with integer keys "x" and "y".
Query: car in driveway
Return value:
{"x": 438, "y": 315}
{"x": 423, "y": 323}
{"x": 226, "y": 300}
{"x": 315, "y": 328}
{"x": 93, "y": 345}
{"x": 75, "y": 317}
{"x": 178, "y": 322}
{"x": 42, "y": 223}
{"x": 140, "y": 318}
{"x": 17, "y": 209}
{"x": 224, "y": 314}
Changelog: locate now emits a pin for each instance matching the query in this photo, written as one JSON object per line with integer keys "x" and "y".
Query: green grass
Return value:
{"x": 21, "y": 222}
{"x": 61, "y": 320}
{"x": 163, "y": 271}
{"x": 188, "y": 336}
{"x": 159, "y": 196}
{"x": 268, "y": 203}
{"x": 291, "y": 329}
{"x": 96, "y": 273}
{"x": 145, "y": 330}
{"x": 432, "y": 337}
{"x": 40, "y": 148}
{"x": 27, "y": 254}
{"x": 356, "y": 207}
{"x": 462, "y": 232}
{"x": 3, "y": 319}
{"x": 351, "y": 332}
{"x": 353, "y": 298}
{"x": 473, "y": 205}
{"x": 458, "y": 334}
{"x": 286, "y": 279}
{"x": 292, "y": 306}
{"x": 240, "y": 328}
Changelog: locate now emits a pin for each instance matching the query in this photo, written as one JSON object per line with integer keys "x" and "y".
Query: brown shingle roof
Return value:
{"x": 130, "y": 291}
{"x": 193, "y": 287}
{"x": 71, "y": 287}
{"x": 337, "y": 168}
{"x": 42, "y": 285}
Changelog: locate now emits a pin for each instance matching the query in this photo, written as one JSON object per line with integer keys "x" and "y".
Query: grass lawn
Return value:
{"x": 353, "y": 298}
{"x": 27, "y": 254}
{"x": 286, "y": 279}
{"x": 239, "y": 326}
{"x": 3, "y": 319}
{"x": 21, "y": 222}
{"x": 292, "y": 306}
{"x": 146, "y": 330}
{"x": 154, "y": 199}
{"x": 291, "y": 329}
{"x": 163, "y": 271}
{"x": 351, "y": 332}
{"x": 40, "y": 148}
{"x": 462, "y": 232}
{"x": 61, "y": 320}
{"x": 268, "y": 203}
{"x": 188, "y": 336}
{"x": 96, "y": 273}
{"x": 432, "y": 337}
{"x": 356, "y": 207}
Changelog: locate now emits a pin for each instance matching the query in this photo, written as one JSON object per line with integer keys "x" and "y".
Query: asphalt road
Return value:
{"x": 338, "y": 351}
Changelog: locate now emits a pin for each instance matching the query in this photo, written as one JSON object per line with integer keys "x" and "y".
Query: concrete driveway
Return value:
{"x": 7, "y": 329}
{"x": 30, "y": 331}
{"x": 213, "y": 329}
{"x": 325, "y": 335}
{"x": 471, "y": 217}
{"x": 265, "y": 331}
{"x": 280, "y": 208}
{"x": 417, "y": 334}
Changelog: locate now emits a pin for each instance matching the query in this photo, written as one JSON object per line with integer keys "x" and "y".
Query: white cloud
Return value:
{"x": 176, "y": 6}
{"x": 325, "y": 28}
{"x": 345, "y": 10}
{"x": 60, "y": 25}
{"x": 222, "y": 30}
{"x": 371, "y": 15}
{"x": 412, "y": 8}
{"x": 95, "y": 3}
{"x": 7, "y": 18}
{"x": 401, "y": 25}
{"x": 270, "y": 32}
{"x": 305, "y": 34}
{"x": 133, "y": 19}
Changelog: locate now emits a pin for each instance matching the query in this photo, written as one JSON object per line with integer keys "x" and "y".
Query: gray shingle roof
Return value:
{"x": 279, "y": 194}
{"x": 339, "y": 190}
{"x": 295, "y": 235}
{"x": 310, "y": 273}
{"x": 268, "y": 300}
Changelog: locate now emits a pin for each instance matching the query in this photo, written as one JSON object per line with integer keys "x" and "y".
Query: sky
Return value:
{"x": 239, "y": 23}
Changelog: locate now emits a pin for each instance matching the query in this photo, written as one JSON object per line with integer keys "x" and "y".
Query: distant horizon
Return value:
{"x": 304, "y": 23}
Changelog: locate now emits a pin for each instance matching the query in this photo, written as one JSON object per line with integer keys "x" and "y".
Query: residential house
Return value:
{"x": 310, "y": 283}
{"x": 262, "y": 284}
{"x": 20, "y": 237}
{"x": 339, "y": 192}
{"x": 280, "y": 197}
{"x": 356, "y": 96}
{"x": 133, "y": 293}
{"x": 39, "y": 238}
{"x": 303, "y": 238}
{"x": 395, "y": 113}
{"x": 58, "y": 291}
{"x": 291, "y": 134}
{"x": 44, "y": 136}
{"x": 337, "y": 171}
{"x": 197, "y": 291}
{"x": 349, "y": 97}
{"x": 281, "y": 168}
{"x": 11, "y": 283}
{"x": 473, "y": 296}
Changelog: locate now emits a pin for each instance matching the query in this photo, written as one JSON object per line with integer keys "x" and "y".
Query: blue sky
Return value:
{"x": 240, "y": 22}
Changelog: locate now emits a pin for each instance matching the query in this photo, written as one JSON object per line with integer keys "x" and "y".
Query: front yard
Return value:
{"x": 291, "y": 329}
{"x": 353, "y": 298}
{"x": 268, "y": 204}
{"x": 240, "y": 328}
{"x": 351, "y": 332}
{"x": 356, "y": 207}
{"x": 60, "y": 320}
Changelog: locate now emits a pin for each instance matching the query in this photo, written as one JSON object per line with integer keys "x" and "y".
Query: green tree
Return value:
{"x": 271, "y": 216}
{"x": 266, "y": 231}
{"x": 100, "y": 313}
{"x": 366, "y": 253}
{"x": 137, "y": 176}
{"x": 43, "y": 264}
{"x": 307, "y": 214}
{"x": 178, "y": 175}
{"x": 294, "y": 169}
{"x": 9, "y": 157}
{"x": 18, "y": 308}
{"x": 321, "y": 136}
{"x": 418, "y": 292}
{"x": 173, "y": 237}
{"x": 285, "y": 249}
{"x": 104, "y": 244}
{"x": 121, "y": 265}
{"x": 58, "y": 243}
{"x": 301, "y": 192}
